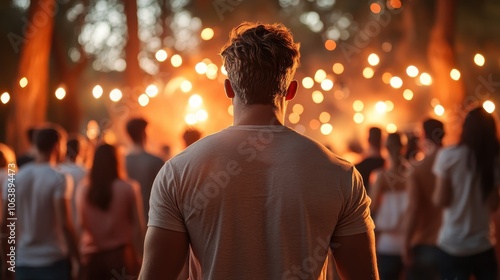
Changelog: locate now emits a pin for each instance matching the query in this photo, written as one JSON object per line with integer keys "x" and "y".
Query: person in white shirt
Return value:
{"x": 258, "y": 200}
{"x": 467, "y": 182}
{"x": 45, "y": 239}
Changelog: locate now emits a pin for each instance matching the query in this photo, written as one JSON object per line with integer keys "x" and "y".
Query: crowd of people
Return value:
{"x": 256, "y": 200}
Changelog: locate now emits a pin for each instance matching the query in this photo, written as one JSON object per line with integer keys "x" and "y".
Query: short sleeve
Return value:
{"x": 355, "y": 216}
{"x": 441, "y": 165}
{"x": 164, "y": 204}
{"x": 64, "y": 187}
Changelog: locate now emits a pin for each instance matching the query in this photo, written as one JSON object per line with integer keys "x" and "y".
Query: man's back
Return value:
{"x": 40, "y": 239}
{"x": 143, "y": 167}
{"x": 260, "y": 202}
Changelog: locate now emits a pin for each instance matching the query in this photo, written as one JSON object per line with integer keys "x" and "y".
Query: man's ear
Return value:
{"x": 228, "y": 89}
{"x": 292, "y": 90}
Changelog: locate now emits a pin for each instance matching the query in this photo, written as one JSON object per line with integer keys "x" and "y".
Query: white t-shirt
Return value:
{"x": 78, "y": 173}
{"x": 260, "y": 202}
{"x": 466, "y": 222}
{"x": 40, "y": 240}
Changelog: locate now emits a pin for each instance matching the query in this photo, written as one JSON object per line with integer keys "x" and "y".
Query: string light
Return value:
{"x": 207, "y": 34}
{"x": 326, "y": 129}
{"x": 152, "y": 90}
{"x": 320, "y": 75}
{"x": 23, "y": 82}
{"x": 143, "y": 100}
{"x": 115, "y": 95}
{"x": 455, "y": 74}
{"x": 439, "y": 110}
{"x": 60, "y": 93}
{"x": 338, "y": 68}
{"x": 412, "y": 71}
{"x": 5, "y": 97}
{"x": 408, "y": 94}
{"x": 317, "y": 97}
{"x": 298, "y": 109}
{"x": 396, "y": 82}
{"x": 391, "y": 128}
{"x": 368, "y": 72}
{"x": 176, "y": 60}
{"x": 97, "y": 91}
{"x": 373, "y": 59}
{"x": 425, "y": 79}
{"x": 489, "y": 106}
{"x": 479, "y": 59}
{"x": 186, "y": 86}
{"x": 307, "y": 82}
{"x": 327, "y": 84}
{"x": 358, "y": 118}
{"x": 358, "y": 105}
{"x": 161, "y": 55}
{"x": 294, "y": 118}
{"x": 324, "y": 117}
{"x": 381, "y": 107}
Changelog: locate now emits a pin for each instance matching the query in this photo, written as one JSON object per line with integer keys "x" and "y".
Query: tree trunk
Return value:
{"x": 441, "y": 54}
{"x": 30, "y": 103}
{"x": 133, "y": 73}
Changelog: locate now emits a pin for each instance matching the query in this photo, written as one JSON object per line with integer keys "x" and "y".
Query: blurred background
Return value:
{"x": 90, "y": 65}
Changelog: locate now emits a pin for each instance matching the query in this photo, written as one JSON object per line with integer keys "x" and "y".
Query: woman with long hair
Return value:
{"x": 110, "y": 218}
{"x": 467, "y": 182}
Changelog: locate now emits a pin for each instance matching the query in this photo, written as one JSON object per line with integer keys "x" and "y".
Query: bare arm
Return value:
{"x": 355, "y": 256}
{"x": 443, "y": 193}
{"x": 165, "y": 252}
{"x": 376, "y": 191}
{"x": 138, "y": 221}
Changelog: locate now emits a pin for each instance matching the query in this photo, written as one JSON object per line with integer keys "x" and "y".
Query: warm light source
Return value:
{"x": 176, "y": 60}
{"x": 338, "y": 68}
{"x": 425, "y": 79}
{"x": 207, "y": 34}
{"x": 373, "y": 59}
{"x": 115, "y": 95}
{"x": 201, "y": 115}
{"x": 317, "y": 96}
{"x": 330, "y": 45}
{"x": 298, "y": 109}
{"x": 195, "y": 101}
{"x": 389, "y": 105}
{"x": 143, "y": 100}
{"x": 161, "y": 55}
{"x": 152, "y": 90}
{"x": 320, "y": 75}
{"x": 412, "y": 71}
{"x": 358, "y": 118}
{"x": 190, "y": 119}
{"x": 408, "y": 94}
{"x": 489, "y": 106}
{"x": 324, "y": 117}
{"x": 326, "y": 129}
{"x": 455, "y": 74}
{"x": 391, "y": 128}
{"x": 381, "y": 107}
{"x": 368, "y": 72}
{"x": 396, "y": 82}
{"x": 307, "y": 82}
{"x": 5, "y": 97}
{"x": 479, "y": 59}
{"x": 212, "y": 71}
{"x": 439, "y": 110}
{"x": 386, "y": 77}
{"x": 97, "y": 91}
{"x": 327, "y": 84}
{"x": 358, "y": 105}
{"x": 186, "y": 86}
{"x": 375, "y": 8}
{"x": 60, "y": 93}
{"x": 23, "y": 82}
{"x": 294, "y": 118}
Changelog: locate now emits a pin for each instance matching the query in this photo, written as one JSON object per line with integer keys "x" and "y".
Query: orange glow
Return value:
{"x": 375, "y": 8}
{"x": 330, "y": 45}
{"x": 338, "y": 68}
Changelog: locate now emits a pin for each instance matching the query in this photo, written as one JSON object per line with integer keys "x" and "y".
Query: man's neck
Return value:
{"x": 257, "y": 114}
{"x": 137, "y": 148}
{"x": 49, "y": 159}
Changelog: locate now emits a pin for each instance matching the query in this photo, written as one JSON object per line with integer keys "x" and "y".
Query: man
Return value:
{"x": 259, "y": 200}
{"x": 373, "y": 159}
{"x": 423, "y": 218}
{"x": 29, "y": 156}
{"x": 45, "y": 239}
{"x": 141, "y": 165}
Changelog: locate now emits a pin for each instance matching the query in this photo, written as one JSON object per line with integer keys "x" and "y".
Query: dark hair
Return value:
{"x": 479, "y": 134}
{"x": 260, "y": 60}
{"x": 375, "y": 137}
{"x": 72, "y": 148}
{"x": 30, "y": 135}
{"x": 191, "y": 135}
{"x": 136, "y": 129}
{"x": 46, "y": 139}
{"x": 104, "y": 171}
{"x": 434, "y": 131}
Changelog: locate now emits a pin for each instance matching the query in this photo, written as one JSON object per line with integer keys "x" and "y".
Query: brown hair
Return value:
{"x": 260, "y": 60}
{"x": 105, "y": 170}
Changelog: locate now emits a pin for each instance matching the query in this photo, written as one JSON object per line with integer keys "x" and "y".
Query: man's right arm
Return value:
{"x": 355, "y": 256}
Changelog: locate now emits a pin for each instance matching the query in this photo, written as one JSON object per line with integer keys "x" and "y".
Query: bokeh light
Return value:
{"x": 152, "y": 90}
{"x": 326, "y": 129}
{"x": 320, "y": 75}
{"x": 195, "y": 101}
{"x": 358, "y": 105}
{"x": 190, "y": 119}
{"x": 161, "y": 55}
{"x": 330, "y": 45}
{"x": 201, "y": 68}
{"x": 396, "y": 82}
{"x": 368, "y": 72}
{"x": 489, "y": 106}
{"x": 412, "y": 71}
{"x": 207, "y": 34}
{"x": 408, "y": 94}
{"x": 186, "y": 86}
{"x": 381, "y": 107}
{"x": 143, "y": 100}
{"x": 479, "y": 59}
{"x": 324, "y": 117}
{"x": 455, "y": 74}
{"x": 97, "y": 91}
{"x": 60, "y": 93}
{"x": 358, "y": 118}
{"x": 23, "y": 82}
{"x": 373, "y": 59}
{"x": 389, "y": 106}
{"x": 314, "y": 124}
{"x": 338, "y": 68}
{"x": 298, "y": 109}
{"x": 5, "y": 97}
{"x": 386, "y": 77}
{"x": 327, "y": 84}
{"x": 294, "y": 118}
{"x": 375, "y": 8}
{"x": 176, "y": 60}
{"x": 391, "y": 128}
{"x": 317, "y": 96}
{"x": 439, "y": 110}
{"x": 307, "y": 82}
{"x": 425, "y": 79}
{"x": 201, "y": 115}
{"x": 115, "y": 95}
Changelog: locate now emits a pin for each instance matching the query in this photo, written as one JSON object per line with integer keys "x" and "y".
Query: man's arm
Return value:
{"x": 442, "y": 195}
{"x": 355, "y": 256}
{"x": 165, "y": 252}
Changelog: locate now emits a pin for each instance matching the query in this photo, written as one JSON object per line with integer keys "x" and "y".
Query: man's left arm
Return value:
{"x": 165, "y": 252}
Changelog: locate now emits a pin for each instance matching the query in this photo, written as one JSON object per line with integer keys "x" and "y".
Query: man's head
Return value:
{"x": 136, "y": 129}
{"x": 375, "y": 137}
{"x": 434, "y": 131}
{"x": 260, "y": 60}
{"x": 49, "y": 142}
{"x": 30, "y": 135}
